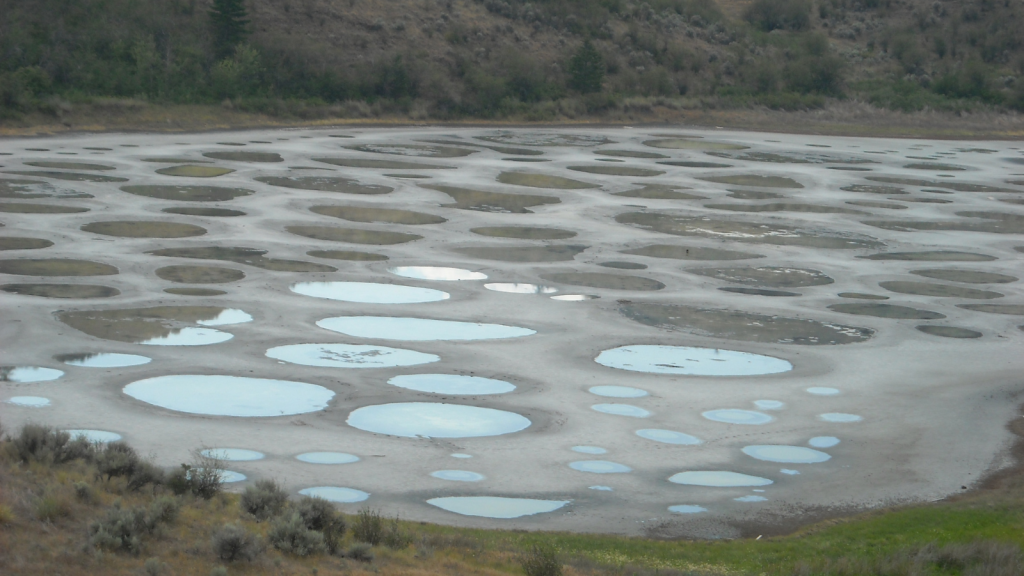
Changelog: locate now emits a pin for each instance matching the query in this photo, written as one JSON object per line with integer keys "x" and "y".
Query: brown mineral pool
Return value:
{"x": 69, "y": 165}
{"x": 872, "y": 189}
{"x": 175, "y": 160}
{"x": 353, "y": 235}
{"x": 325, "y": 184}
{"x": 773, "y": 276}
{"x": 25, "y": 208}
{"x": 347, "y": 255}
{"x": 15, "y": 243}
{"x": 931, "y": 256}
{"x": 414, "y": 150}
{"x": 199, "y": 274}
{"x": 188, "y": 193}
{"x": 883, "y": 205}
{"x": 755, "y": 180}
{"x": 249, "y": 256}
{"x": 523, "y": 232}
{"x": 604, "y": 280}
{"x": 480, "y": 200}
{"x": 245, "y": 156}
{"x": 629, "y": 154}
{"x": 690, "y": 253}
{"x": 754, "y": 195}
{"x": 623, "y": 265}
{"x": 660, "y": 192}
{"x": 633, "y": 171}
{"x": 948, "y": 331}
{"x": 886, "y": 311}
{"x": 958, "y": 186}
{"x": 758, "y": 291}
{"x": 695, "y": 164}
{"x": 784, "y": 207}
{"x": 61, "y": 290}
{"x": 543, "y": 181}
{"x": 186, "y": 291}
{"x": 1009, "y": 309}
{"x": 71, "y": 176}
{"x": 940, "y": 290}
{"x": 197, "y": 211}
{"x": 377, "y": 215}
{"x": 143, "y": 229}
{"x": 56, "y": 267}
{"x": 552, "y": 253}
{"x": 158, "y": 326}
{"x": 688, "y": 144}
{"x": 862, "y": 296}
{"x": 191, "y": 171}
{"x": 381, "y": 164}
{"x": 966, "y": 276}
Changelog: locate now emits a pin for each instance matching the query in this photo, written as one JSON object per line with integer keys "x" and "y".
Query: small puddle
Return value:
{"x": 774, "y": 276}
{"x": 14, "y": 243}
{"x": 690, "y": 253}
{"x": 215, "y": 395}
{"x": 839, "y": 417}
{"x": 621, "y": 410}
{"x": 436, "y": 273}
{"x": 188, "y": 193}
{"x": 324, "y": 184}
{"x": 27, "y": 374}
{"x": 479, "y": 200}
{"x": 617, "y": 391}
{"x": 327, "y": 458}
{"x": 95, "y": 436}
{"x": 718, "y": 478}
{"x": 199, "y": 274}
{"x": 29, "y": 401}
{"x": 520, "y": 288}
{"x": 744, "y": 326}
{"x": 886, "y": 311}
{"x": 61, "y": 290}
{"x": 660, "y": 192}
{"x": 690, "y": 361}
{"x": 939, "y": 290}
{"x": 599, "y": 467}
{"x": 668, "y": 437}
{"x": 138, "y": 229}
{"x": 966, "y": 276}
{"x": 822, "y": 391}
{"x": 349, "y": 356}
{"x": 377, "y": 215}
{"x": 931, "y": 256}
{"x": 687, "y": 509}
{"x": 785, "y": 454}
{"x": 336, "y": 494}
{"x": 823, "y": 441}
{"x": 381, "y": 164}
{"x": 26, "y": 208}
{"x": 350, "y": 255}
{"x": 543, "y": 181}
{"x": 606, "y": 281}
{"x": 353, "y": 235}
{"x": 589, "y": 450}
{"x": 737, "y": 416}
{"x": 233, "y": 454}
{"x": 435, "y": 420}
{"x": 369, "y": 292}
{"x": 457, "y": 475}
{"x": 633, "y": 171}
{"x": 103, "y": 360}
{"x": 755, "y": 181}
{"x": 523, "y": 232}
{"x": 193, "y": 171}
{"x": 949, "y": 331}
{"x": 495, "y": 506}
{"x": 211, "y": 212}
{"x": 419, "y": 329}
{"x": 245, "y": 156}
{"x": 452, "y": 384}
{"x": 551, "y": 253}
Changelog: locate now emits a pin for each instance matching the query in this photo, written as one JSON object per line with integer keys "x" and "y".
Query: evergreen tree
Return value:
{"x": 229, "y": 23}
{"x": 586, "y": 69}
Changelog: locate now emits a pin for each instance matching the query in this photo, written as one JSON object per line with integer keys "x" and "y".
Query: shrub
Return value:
{"x": 52, "y": 507}
{"x": 289, "y": 534}
{"x": 771, "y": 15}
{"x": 6, "y": 514}
{"x": 219, "y": 571}
{"x": 319, "y": 514}
{"x": 233, "y": 542}
{"x": 117, "y": 459}
{"x": 164, "y": 509}
{"x": 586, "y": 69}
{"x": 264, "y": 500}
{"x": 121, "y": 529}
{"x": 154, "y": 567}
{"x": 541, "y": 561}
{"x": 368, "y": 526}
{"x": 85, "y": 492}
{"x": 202, "y": 478}
{"x": 360, "y": 551}
{"x": 145, "y": 473}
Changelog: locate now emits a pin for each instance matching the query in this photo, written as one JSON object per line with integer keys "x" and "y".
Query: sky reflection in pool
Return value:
{"x": 622, "y": 410}
{"x": 574, "y": 297}
{"x": 29, "y": 401}
{"x": 518, "y": 288}
{"x": 458, "y": 475}
{"x": 718, "y": 478}
{"x": 736, "y": 416}
{"x": 435, "y": 420}
{"x": 785, "y": 454}
{"x": 233, "y": 454}
{"x": 226, "y": 317}
{"x": 101, "y": 436}
{"x": 26, "y": 374}
{"x": 789, "y": 472}
{"x": 462, "y": 456}
{"x": 601, "y": 488}
{"x": 190, "y": 336}
{"x": 823, "y": 391}
{"x": 419, "y": 329}
{"x": 349, "y": 356}
{"x": 600, "y": 467}
{"x": 369, "y": 293}
{"x": 496, "y": 506}
{"x": 823, "y": 441}
{"x": 769, "y": 404}
{"x": 106, "y": 360}
{"x": 436, "y": 273}
{"x": 751, "y": 498}
{"x": 451, "y": 384}
{"x": 687, "y": 509}
{"x": 668, "y": 436}
{"x": 336, "y": 494}
{"x": 617, "y": 391}
{"x": 690, "y": 361}
{"x": 589, "y": 450}
{"x": 839, "y": 417}
{"x": 216, "y": 395}
{"x": 327, "y": 458}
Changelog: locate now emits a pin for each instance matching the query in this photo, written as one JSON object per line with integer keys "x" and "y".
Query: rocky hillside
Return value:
{"x": 514, "y": 59}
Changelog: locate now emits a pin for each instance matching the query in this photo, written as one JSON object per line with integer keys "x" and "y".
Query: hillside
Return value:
{"x": 510, "y": 59}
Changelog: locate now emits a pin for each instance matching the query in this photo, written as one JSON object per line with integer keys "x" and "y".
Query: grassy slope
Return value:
{"x": 979, "y": 531}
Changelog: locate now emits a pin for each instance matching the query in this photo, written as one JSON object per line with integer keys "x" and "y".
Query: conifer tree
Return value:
{"x": 230, "y": 25}
{"x": 586, "y": 69}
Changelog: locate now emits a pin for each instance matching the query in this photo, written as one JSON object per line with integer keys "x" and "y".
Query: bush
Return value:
{"x": 219, "y": 571}
{"x": 372, "y": 527}
{"x": 319, "y": 514}
{"x": 45, "y": 444}
{"x": 360, "y": 551}
{"x": 145, "y": 473}
{"x": 771, "y": 15}
{"x": 164, "y": 509}
{"x": 202, "y": 478}
{"x": 121, "y": 529}
{"x": 264, "y": 500}
{"x": 117, "y": 459}
{"x": 586, "y": 69}
{"x": 154, "y": 567}
{"x": 6, "y": 514}
{"x": 85, "y": 492}
{"x": 541, "y": 561}
{"x": 52, "y": 507}
{"x": 290, "y": 535}
{"x": 233, "y": 542}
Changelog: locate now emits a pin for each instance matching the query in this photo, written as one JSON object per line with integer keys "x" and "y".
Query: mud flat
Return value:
{"x": 647, "y": 317}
